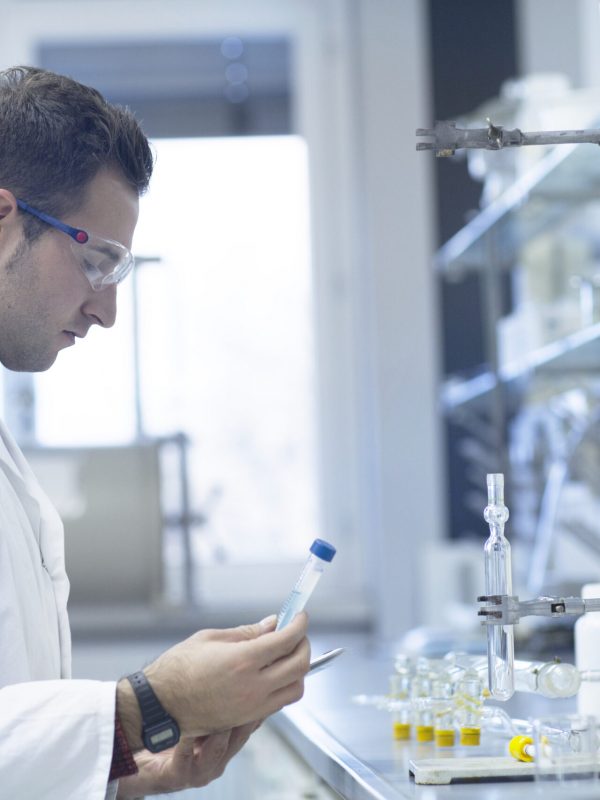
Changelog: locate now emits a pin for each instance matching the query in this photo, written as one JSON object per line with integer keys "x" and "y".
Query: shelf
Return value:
{"x": 564, "y": 180}
{"x": 577, "y": 352}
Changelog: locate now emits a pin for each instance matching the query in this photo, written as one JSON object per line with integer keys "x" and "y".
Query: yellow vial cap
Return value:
{"x": 424, "y": 733}
{"x": 401, "y": 731}
{"x": 516, "y": 747}
{"x": 444, "y": 738}
{"x": 470, "y": 736}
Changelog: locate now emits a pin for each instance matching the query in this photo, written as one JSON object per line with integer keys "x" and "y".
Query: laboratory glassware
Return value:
{"x": 498, "y": 581}
{"x": 420, "y": 693}
{"x": 548, "y": 678}
{"x": 400, "y": 690}
{"x": 321, "y": 554}
{"x": 443, "y": 710}
{"x": 551, "y": 679}
{"x": 565, "y": 748}
{"x": 468, "y": 702}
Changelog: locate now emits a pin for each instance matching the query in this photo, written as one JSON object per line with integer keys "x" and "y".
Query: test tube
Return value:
{"x": 498, "y": 581}
{"x": 321, "y": 554}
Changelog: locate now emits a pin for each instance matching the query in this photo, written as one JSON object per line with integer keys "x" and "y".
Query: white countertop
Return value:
{"x": 351, "y": 747}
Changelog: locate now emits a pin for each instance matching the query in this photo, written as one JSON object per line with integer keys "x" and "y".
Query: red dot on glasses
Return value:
{"x": 81, "y": 237}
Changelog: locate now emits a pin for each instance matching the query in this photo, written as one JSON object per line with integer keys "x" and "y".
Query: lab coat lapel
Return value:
{"x": 47, "y": 529}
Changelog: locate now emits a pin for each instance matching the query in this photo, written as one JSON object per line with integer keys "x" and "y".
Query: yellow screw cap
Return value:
{"x": 444, "y": 738}
{"x": 401, "y": 731}
{"x": 470, "y": 737}
{"x": 424, "y": 733}
{"x": 517, "y": 745}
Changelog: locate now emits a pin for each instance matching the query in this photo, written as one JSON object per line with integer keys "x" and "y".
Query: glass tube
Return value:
{"x": 321, "y": 553}
{"x": 549, "y": 678}
{"x": 498, "y": 581}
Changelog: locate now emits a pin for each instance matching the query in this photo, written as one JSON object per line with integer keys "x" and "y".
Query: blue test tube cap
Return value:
{"x": 322, "y": 549}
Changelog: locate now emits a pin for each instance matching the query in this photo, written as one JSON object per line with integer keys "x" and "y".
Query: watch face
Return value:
{"x": 159, "y": 737}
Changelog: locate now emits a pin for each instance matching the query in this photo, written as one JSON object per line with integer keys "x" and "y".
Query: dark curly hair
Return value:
{"x": 55, "y": 134}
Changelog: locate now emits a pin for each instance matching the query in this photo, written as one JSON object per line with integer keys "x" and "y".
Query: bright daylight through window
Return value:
{"x": 226, "y": 344}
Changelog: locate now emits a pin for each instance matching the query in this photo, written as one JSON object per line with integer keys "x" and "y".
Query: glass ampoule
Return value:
{"x": 468, "y": 705}
{"x": 420, "y": 688}
{"x": 498, "y": 581}
{"x": 400, "y": 690}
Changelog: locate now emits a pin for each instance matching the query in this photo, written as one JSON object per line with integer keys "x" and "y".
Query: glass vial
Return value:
{"x": 420, "y": 692}
{"x": 400, "y": 690}
{"x": 498, "y": 581}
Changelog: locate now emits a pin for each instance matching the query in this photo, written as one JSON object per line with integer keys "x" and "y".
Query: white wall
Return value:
{"x": 398, "y": 336}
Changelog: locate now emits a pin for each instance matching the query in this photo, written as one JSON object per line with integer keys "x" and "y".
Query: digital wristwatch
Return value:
{"x": 159, "y": 729}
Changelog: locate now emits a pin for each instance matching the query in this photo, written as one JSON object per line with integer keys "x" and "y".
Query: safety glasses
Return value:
{"x": 103, "y": 261}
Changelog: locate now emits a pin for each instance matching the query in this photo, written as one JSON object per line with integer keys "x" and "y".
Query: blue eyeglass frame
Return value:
{"x": 77, "y": 234}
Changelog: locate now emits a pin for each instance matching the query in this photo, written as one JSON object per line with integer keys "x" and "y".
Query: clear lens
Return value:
{"x": 103, "y": 261}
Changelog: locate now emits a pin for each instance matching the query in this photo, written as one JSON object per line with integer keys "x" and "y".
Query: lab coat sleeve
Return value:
{"x": 56, "y": 739}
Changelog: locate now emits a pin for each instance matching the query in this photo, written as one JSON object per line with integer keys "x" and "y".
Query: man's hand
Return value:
{"x": 218, "y": 680}
{"x": 192, "y": 763}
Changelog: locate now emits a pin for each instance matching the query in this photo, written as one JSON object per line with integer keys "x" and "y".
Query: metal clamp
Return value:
{"x": 503, "y": 609}
{"x": 447, "y": 138}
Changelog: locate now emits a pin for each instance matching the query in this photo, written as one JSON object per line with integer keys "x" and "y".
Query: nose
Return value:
{"x": 101, "y": 307}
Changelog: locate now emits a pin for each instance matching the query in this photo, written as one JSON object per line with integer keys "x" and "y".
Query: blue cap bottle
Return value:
{"x": 321, "y": 554}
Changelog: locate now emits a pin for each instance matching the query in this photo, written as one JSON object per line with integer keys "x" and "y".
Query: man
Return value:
{"x": 71, "y": 170}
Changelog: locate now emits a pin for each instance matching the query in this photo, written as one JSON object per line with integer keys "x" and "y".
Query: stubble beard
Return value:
{"x": 21, "y": 345}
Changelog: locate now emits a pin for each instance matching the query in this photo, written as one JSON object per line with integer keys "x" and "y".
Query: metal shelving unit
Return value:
{"x": 558, "y": 200}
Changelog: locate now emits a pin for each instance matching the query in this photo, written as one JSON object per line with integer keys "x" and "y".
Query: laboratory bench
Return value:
{"x": 351, "y": 746}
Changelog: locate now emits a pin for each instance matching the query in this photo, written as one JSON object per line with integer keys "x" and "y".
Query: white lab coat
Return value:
{"x": 56, "y": 734}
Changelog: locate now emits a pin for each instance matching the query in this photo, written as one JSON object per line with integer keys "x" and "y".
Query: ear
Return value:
{"x": 8, "y": 206}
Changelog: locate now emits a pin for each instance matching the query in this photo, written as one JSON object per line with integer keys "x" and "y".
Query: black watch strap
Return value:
{"x": 159, "y": 729}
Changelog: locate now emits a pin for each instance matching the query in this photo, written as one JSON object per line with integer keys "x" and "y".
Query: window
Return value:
{"x": 226, "y": 351}
{"x": 176, "y": 76}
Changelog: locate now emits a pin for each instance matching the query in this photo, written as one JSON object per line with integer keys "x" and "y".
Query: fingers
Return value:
{"x": 287, "y": 670}
{"x": 239, "y": 737}
{"x": 268, "y": 623}
{"x": 184, "y": 749}
{"x": 285, "y": 696}
{"x": 212, "y": 749}
{"x": 286, "y": 677}
{"x": 243, "y": 633}
{"x": 275, "y": 645}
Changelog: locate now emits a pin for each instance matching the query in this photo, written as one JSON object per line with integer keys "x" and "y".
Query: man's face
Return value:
{"x": 45, "y": 299}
